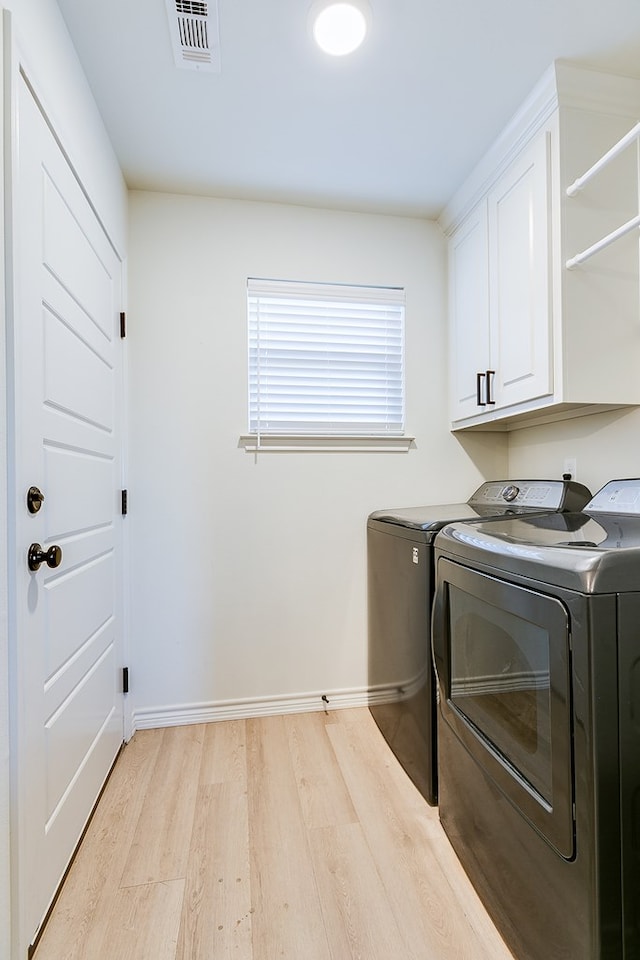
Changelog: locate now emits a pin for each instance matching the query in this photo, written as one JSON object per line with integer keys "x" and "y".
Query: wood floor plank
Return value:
{"x": 224, "y": 754}
{"x": 216, "y": 914}
{"x": 362, "y": 740}
{"x": 324, "y": 797}
{"x": 349, "y": 885}
{"x": 350, "y": 715}
{"x": 163, "y": 834}
{"x": 86, "y": 904}
{"x": 463, "y": 893}
{"x": 145, "y": 924}
{"x": 287, "y": 921}
{"x": 400, "y": 830}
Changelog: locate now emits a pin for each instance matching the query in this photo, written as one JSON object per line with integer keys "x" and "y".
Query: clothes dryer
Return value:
{"x": 536, "y": 641}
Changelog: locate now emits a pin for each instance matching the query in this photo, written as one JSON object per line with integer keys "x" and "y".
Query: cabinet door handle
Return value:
{"x": 490, "y": 373}
{"x": 479, "y": 378}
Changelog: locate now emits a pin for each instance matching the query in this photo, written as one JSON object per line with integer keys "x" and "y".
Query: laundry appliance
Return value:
{"x": 536, "y": 642}
{"x": 400, "y": 592}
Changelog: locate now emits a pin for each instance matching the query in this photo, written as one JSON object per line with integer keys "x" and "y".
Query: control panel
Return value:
{"x": 542, "y": 494}
{"x": 617, "y": 496}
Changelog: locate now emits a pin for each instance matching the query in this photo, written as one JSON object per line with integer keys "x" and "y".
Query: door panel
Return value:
{"x": 519, "y": 224}
{"x": 74, "y": 725}
{"x": 67, "y": 427}
{"x": 70, "y": 257}
{"x": 469, "y": 349}
{"x": 83, "y": 622}
{"x": 81, "y": 491}
{"x": 69, "y": 362}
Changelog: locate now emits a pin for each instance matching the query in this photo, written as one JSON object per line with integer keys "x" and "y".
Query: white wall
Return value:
{"x": 248, "y": 576}
{"x": 605, "y": 447}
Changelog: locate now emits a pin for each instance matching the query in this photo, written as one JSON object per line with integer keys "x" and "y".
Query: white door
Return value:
{"x": 67, "y": 357}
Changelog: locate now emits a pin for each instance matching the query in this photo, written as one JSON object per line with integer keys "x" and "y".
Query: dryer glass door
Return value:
{"x": 501, "y": 682}
{"x": 506, "y": 685}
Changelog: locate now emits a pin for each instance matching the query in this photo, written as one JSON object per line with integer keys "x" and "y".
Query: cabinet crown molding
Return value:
{"x": 562, "y": 86}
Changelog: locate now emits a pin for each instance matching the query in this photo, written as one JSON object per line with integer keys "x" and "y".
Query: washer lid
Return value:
{"x": 426, "y": 518}
{"x": 588, "y": 552}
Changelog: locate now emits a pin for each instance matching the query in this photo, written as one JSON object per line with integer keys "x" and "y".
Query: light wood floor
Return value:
{"x": 298, "y": 837}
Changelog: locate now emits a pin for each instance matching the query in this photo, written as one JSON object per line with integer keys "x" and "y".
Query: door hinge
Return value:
{"x": 124, "y": 502}
{"x": 123, "y": 325}
{"x": 125, "y": 679}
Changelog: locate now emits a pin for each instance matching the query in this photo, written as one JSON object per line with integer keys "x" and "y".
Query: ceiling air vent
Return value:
{"x": 193, "y": 25}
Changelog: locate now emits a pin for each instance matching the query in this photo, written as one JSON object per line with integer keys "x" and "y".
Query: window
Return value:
{"x": 325, "y": 360}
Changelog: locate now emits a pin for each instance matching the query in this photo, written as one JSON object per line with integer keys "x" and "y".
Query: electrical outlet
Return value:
{"x": 570, "y": 466}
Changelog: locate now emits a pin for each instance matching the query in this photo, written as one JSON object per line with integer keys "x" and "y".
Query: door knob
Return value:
{"x": 35, "y": 498}
{"x": 52, "y": 557}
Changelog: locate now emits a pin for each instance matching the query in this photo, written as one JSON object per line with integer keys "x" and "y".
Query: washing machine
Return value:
{"x": 536, "y": 643}
{"x": 400, "y": 591}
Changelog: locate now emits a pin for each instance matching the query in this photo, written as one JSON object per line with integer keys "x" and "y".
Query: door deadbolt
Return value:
{"x": 35, "y": 499}
{"x": 52, "y": 557}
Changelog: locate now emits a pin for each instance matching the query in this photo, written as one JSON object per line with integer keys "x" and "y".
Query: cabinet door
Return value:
{"x": 468, "y": 312}
{"x": 520, "y": 294}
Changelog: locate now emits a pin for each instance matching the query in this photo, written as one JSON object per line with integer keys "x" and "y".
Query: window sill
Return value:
{"x": 286, "y": 443}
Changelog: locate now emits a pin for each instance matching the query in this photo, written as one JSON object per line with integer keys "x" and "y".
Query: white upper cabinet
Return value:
{"x": 529, "y": 340}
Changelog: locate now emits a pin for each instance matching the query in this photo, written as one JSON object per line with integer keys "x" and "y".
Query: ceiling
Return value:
{"x": 394, "y": 128}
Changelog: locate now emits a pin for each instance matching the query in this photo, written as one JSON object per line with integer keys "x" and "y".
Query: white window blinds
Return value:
{"x": 325, "y": 359}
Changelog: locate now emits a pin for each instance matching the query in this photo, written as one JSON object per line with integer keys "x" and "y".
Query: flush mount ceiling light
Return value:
{"x": 339, "y": 28}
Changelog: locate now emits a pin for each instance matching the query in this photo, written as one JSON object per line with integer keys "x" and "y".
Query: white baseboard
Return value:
{"x": 173, "y": 715}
